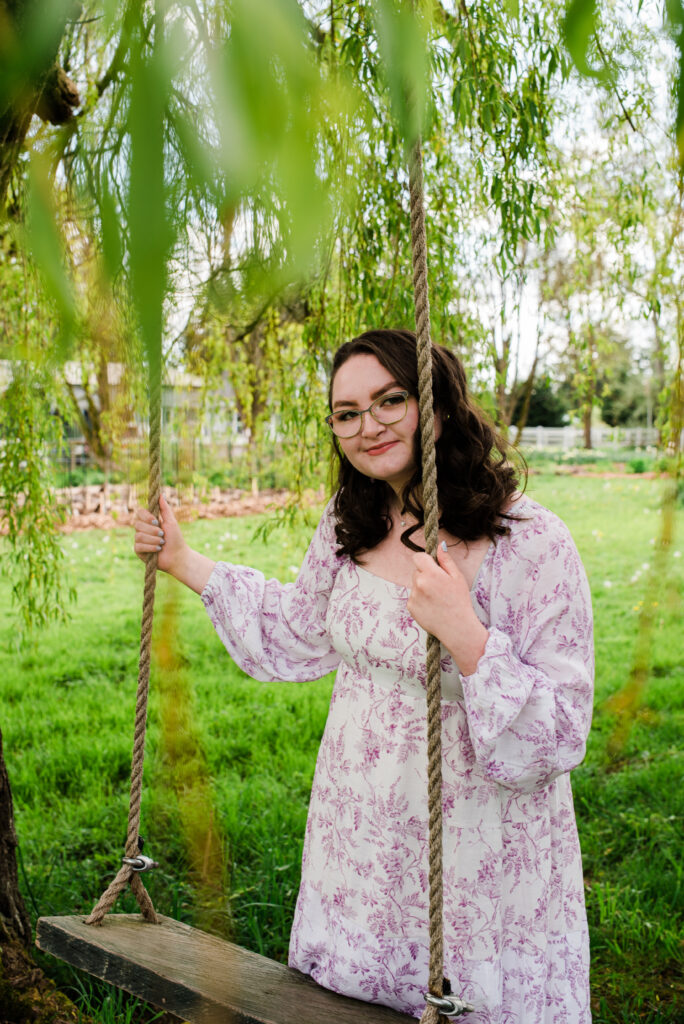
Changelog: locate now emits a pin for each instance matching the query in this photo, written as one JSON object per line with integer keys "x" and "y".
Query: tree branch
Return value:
{"x": 606, "y": 65}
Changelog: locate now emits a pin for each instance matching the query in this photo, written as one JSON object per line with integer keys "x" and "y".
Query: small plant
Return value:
{"x": 637, "y": 465}
{"x": 218, "y": 478}
{"x": 79, "y": 476}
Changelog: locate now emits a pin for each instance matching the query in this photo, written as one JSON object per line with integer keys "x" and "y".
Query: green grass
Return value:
{"x": 67, "y": 718}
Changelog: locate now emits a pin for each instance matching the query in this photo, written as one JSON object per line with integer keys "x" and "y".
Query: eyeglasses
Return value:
{"x": 387, "y": 409}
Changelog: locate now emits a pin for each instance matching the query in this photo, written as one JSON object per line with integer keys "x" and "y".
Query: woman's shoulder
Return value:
{"x": 325, "y": 536}
{"x": 328, "y": 520}
{"x": 537, "y": 551}
{"x": 533, "y": 525}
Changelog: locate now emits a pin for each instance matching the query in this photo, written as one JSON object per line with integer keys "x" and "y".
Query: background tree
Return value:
{"x": 547, "y": 407}
{"x": 606, "y": 51}
{"x": 581, "y": 280}
{"x": 625, "y": 398}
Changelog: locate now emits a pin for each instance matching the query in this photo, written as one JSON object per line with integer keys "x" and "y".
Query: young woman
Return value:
{"x": 509, "y": 601}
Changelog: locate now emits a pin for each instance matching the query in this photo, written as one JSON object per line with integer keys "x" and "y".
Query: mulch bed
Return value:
{"x": 90, "y": 508}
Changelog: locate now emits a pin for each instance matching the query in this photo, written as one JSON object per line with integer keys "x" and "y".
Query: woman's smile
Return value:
{"x": 378, "y": 449}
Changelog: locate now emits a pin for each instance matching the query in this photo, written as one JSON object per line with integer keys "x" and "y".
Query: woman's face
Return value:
{"x": 380, "y": 451}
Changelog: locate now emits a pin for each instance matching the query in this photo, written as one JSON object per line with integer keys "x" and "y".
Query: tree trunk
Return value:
{"x": 45, "y": 89}
{"x": 586, "y": 423}
{"x": 527, "y": 398}
{"x": 253, "y": 461}
{"x": 14, "y": 920}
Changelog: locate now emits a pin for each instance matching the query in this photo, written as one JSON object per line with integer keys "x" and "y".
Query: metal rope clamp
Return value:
{"x": 449, "y": 1006}
{"x": 140, "y": 863}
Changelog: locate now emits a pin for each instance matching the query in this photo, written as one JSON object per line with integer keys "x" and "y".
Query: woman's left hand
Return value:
{"x": 440, "y": 602}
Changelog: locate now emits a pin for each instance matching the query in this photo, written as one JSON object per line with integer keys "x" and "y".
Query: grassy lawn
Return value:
{"x": 233, "y": 759}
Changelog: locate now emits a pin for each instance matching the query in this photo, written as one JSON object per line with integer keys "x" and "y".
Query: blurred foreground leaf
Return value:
{"x": 150, "y": 228}
{"x": 579, "y": 25}
{"x": 46, "y": 245}
{"x": 675, "y": 19}
{"x": 402, "y": 28}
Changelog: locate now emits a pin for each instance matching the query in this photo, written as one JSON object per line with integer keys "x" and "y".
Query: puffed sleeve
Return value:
{"x": 276, "y": 631}
{"x": 529, "y": 702}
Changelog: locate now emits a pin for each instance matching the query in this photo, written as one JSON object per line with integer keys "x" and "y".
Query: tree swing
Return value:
{"x": 199, "y": 977}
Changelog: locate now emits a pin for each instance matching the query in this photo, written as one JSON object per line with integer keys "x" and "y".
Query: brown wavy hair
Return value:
{"x": 475, "y": 475}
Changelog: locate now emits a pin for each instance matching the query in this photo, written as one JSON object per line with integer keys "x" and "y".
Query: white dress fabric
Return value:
{"x": 515, "y": 931}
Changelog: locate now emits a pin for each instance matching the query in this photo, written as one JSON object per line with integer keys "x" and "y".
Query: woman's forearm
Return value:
{"x": 192, "y": 569}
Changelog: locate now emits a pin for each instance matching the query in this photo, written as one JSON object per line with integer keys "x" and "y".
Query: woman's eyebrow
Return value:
{"x": 350, "y": 403}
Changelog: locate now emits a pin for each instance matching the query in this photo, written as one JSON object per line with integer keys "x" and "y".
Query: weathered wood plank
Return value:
{"x": 199, "y": 977}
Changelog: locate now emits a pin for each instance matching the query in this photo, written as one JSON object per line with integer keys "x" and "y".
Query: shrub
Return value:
{"x": 637, "y": 465}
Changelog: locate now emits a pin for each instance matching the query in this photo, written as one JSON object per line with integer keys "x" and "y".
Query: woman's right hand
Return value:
{"x": 163, "y": 536}
{"x": 175, "y": 556}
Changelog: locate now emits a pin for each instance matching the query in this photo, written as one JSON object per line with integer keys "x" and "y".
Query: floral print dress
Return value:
{"x": 515, "y": 931}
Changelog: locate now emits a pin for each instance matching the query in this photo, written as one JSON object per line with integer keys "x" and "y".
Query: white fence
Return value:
{"x": 567, "y": 438}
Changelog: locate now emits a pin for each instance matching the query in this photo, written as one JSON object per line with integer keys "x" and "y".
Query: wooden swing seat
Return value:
{"x": 199, "y": 977}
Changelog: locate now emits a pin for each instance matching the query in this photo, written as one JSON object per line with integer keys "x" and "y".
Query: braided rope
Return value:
{"x": 431, "y": 1014}
{"x": 126, "y": 875}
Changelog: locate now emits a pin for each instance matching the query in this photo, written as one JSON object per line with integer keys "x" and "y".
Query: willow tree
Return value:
{"x": 198, "y": 115}
{"x": 495, "y": 81}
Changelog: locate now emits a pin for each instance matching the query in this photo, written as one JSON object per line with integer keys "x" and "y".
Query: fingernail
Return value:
{"x": 444, "y": 545}
{"x": 155, "y": 521}
{"x": 160, "y": 546}
{"x": 161, "y": 533}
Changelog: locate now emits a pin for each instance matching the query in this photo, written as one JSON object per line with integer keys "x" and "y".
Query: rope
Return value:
{"x": 127, "y": 875}
{"x": 431, "y": 1013}
{"x": 431, "y": 509}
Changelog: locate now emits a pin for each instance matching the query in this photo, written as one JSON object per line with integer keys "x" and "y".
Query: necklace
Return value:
{"x": 407, "y": 519}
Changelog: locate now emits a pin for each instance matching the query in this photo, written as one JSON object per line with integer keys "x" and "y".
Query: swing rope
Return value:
{"x": 437, "y": 1004}
{"x": 129, "y": 874}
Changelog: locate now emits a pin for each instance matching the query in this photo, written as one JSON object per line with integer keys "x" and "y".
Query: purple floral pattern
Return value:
{"x": 516, "y": 943}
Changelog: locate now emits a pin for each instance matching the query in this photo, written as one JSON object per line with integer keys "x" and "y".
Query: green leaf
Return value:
{"x": 403, "y": 42}
{"x": 150, "y": 235}
{"x": 270, "y": 102}
{"x": 112, "y": 248}
{"x": 675, "y": 17}
{"x": 456, "y": 100}
{"x": 578, "y": 26}
{"x": 46, "y": 245}
{"x": 675, "y": 13}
